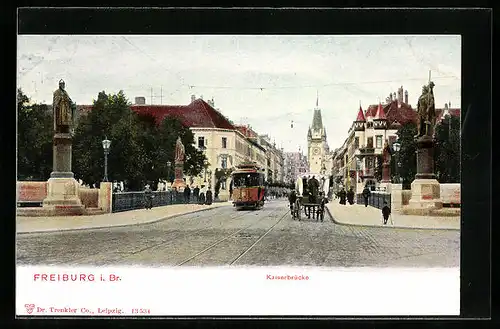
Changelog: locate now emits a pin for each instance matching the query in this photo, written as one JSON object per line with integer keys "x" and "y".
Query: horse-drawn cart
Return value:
{"x": 310, "y": 201}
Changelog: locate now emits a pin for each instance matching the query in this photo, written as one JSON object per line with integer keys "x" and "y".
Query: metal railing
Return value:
{"x": 376, "y": 199}
{"x": 124, "y": 201}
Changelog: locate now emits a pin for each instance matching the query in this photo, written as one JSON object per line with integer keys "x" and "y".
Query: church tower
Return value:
{"x": 318, "y": 150}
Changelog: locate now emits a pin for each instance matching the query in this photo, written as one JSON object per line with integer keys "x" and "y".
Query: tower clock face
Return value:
{"x": 316, "y": 151}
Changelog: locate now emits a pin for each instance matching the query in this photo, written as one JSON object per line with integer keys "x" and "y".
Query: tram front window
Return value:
{"x": 246, "y": 180}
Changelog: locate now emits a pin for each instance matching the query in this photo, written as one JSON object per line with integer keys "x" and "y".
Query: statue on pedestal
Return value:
{"x": 180, "y": 151}
{"x": 426, "y": 112}
{"x": 63, "y": 113}
{"x": 387, "y": 153}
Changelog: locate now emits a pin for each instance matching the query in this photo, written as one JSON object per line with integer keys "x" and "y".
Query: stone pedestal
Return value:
{"x": 105, "y": 202}
{"x": 179, "y": 182}
{"x": 396, "y": 191}
{"x": 62, "y": 197}
{"x": 425, "y": 193}
{"x": 62, "y": 189}
{"x": 386, "y": 173}
{"x": 425, "y": 189}
{"x": 425, "y": 158}
{"x": 61, "y": 157}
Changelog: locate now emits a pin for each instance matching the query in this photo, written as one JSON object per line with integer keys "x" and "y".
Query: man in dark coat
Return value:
{"x": 386, "y": 212}
{"x": 350, "y": 196}
{"x": 208, "y": 197}
{"x": 187, "y": 194}
{"x": 292, "y": 197}
{"x": 313, "y": 185}
{"x": 196, "y": 193}
{"x": 342, "y": 196}
{"x": 366, "y": 195}
{"x": 148, "y": 195}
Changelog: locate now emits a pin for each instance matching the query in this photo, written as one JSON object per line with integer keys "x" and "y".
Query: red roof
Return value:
{"x": 360, "y": 117}
{"x": 246, "y": 131}
{"x": 371, "y": 110}
{"x": 399, "y": 114}
{"x": 380, "y": 114}
{"x": 197, "y": 114}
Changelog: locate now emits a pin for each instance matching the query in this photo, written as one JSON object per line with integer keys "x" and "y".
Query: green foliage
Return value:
{"x": 140, "y": 148}
{"x": 447, "y": 151}
{"x": 407, "y": 156}
{"x": 34, "y": 139}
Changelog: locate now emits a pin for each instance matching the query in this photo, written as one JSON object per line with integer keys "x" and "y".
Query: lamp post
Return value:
{"x": 169, "y": 165}
{"x": 397, "y": 146}
{"x": 106, "y": 144}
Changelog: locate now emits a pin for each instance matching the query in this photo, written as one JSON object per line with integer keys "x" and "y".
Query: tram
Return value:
{"x": 248, "y": 186}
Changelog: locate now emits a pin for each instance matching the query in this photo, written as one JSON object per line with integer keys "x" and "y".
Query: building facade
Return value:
{"x": 295, "y": 164}
{"x": 354, "y": 163}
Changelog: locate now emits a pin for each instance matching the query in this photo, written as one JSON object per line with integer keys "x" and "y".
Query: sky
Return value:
{"x": 266, "y": 81}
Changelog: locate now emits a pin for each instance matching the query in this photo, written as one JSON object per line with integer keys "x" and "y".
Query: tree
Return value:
{"x": 407, "y": 154}
{"x": 34, "y": 139}
{"x": 447, "y": 150}
{"x": 112, "y": 118}
{"x": 140, "y": 148}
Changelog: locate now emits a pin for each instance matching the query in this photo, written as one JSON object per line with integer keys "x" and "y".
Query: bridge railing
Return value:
{"x": 124, "y": 201}
{"x": 376, "y": 199}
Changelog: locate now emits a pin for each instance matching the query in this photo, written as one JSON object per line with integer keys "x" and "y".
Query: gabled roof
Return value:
{"x": 361, "y": 116}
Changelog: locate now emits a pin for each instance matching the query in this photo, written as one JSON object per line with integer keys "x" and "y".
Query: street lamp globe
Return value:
{"x": 169, "y": 163}
{"x": 106, "y": 144}
{"x": 396, "y": 146}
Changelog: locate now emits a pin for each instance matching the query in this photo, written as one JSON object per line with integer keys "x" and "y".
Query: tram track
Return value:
{"x": 181, "y": 236}
{"x": 234, "y": 234}
{"x": 172, "y": 237}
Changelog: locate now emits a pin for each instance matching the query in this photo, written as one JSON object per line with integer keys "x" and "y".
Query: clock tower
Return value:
{"x": 318, "y": 150}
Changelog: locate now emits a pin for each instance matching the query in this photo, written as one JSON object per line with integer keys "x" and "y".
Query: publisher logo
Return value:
{"x": 29, "y": 308}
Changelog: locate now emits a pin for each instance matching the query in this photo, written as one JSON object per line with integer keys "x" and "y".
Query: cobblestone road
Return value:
{"x": 224, "y": 236}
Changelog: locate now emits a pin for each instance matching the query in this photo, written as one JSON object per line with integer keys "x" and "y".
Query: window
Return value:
{"x": 224, "y": 142}
{"x": 370, "y": 142}
{"x": 201, "y": 142}
{"x": 379, "y": 141}
{"x": 223, "y": 162}
{"x": 356, "y": 142}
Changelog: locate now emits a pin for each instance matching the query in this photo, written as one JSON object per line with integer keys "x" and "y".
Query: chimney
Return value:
{"x": 193, "y": 98}
{"x": 140, "y": 100}
{"x": 390, "y": 96}
{"x": 394, "y": 95}
{"x": 400, "y": 95}
{"x": 406, "y": 96}
{"x": 201, "y": 97}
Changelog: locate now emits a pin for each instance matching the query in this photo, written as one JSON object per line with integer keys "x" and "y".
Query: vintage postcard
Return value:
{"x": 184, "y": 175}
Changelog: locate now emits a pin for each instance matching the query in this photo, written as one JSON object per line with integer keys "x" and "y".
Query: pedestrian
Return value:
{"x": 208, "y": 198}
{"x": 196, "y": 193}
{"x": 148, "y": 197}
{"x": 350, "y": 196}
{"x": 366, "y": 195}
{"x": 231, "y": 190}
{"x": 342, "y": 196}
{"x": 292, "y": 197}
{"x": 187, "y": 194}
{"x": 386, "y": 212}
{"x": 201, "y": 198}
